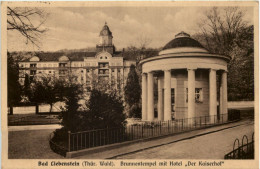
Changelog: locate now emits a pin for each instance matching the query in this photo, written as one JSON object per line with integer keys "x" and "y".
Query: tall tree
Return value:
{"x": 71, "y": 94}
{"x": 26, "y": 86}
{"x": 47, "y": 89}
{"x": 13, "y": 85}
{"x": 241, "y": 68}
{"x": 133, "y": 92}
{"x": 221, "y": 28}
{"x": 224, "y": 31}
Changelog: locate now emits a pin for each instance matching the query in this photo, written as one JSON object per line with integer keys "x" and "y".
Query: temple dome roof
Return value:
{"x": 183, "y": 43}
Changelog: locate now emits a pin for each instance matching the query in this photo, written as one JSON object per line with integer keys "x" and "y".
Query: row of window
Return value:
{"x": 106, "y": 71}
{"x": 32, "y": 65}
{"x": 61, "y": 72}
{"x": 65, "y": 64}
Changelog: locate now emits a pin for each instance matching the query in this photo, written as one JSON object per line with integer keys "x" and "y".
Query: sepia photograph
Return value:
{"x": 130, "y": 84}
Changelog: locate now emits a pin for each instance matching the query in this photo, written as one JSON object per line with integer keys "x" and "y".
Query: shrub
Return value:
{"x": 105, "y": 110}
{"x": 135, "y": 111}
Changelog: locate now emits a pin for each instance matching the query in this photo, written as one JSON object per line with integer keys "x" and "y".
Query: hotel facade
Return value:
{"x": 105, "y": 64}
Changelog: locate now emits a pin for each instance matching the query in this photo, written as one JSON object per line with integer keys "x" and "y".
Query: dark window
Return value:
{"x": 62, "y": 64}
{"x": 32, "y": 72}
{"x": 33, "y": 65}
{"x": 198, "y": 95}
{"x": 173, "y": 99}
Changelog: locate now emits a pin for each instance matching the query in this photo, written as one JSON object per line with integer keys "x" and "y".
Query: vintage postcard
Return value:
{"x": 130, "y": 84}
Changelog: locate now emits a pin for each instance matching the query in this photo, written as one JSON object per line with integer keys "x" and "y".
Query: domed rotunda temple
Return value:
{"x": 191, "y": 82}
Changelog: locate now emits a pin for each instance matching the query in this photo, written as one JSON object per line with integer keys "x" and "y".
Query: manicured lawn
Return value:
{"x": 30, "y": 144}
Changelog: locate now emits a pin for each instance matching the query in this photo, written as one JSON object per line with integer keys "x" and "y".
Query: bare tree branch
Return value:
{"x": 222, "y": 26}
{"x": 21, "y": 20}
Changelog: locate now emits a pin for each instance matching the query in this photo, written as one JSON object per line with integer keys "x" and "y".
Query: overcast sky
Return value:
{"x": 78, "y": 27}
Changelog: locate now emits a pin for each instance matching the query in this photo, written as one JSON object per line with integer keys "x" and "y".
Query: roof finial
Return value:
{"x": 105, "y": 22}
{"x": 182, "y": 34}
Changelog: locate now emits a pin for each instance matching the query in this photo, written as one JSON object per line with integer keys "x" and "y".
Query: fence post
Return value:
{"x": 168, "y": 126}
{"x": 69, "y": 141}
{"x": 160, "y": 128}
{"x": 237, "y": 148}
{"x": 181, "y": 124}
{"x": 132, "y": 132}
{"x": 142, "y": 130}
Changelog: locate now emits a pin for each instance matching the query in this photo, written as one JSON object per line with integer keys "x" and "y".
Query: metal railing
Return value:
{"x": 56, "y": 147}
{"x": 141, "y": 130}
{"x": 243, "y": 151}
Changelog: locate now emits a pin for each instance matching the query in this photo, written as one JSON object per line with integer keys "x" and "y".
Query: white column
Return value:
{"x": 150, "y": 97}
{"x": 224, "y": 92}
{"x": 144, "y": 96}
{"x": 212, "y": 94}
{"x": 160, "y": 99}
{"x": 167, "y": 95}
{"x": 191, "y": 94}
{"x": 221, "y": 96}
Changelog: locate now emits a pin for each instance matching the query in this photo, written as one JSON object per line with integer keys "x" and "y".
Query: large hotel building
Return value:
{"x": 103, "y": 64}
